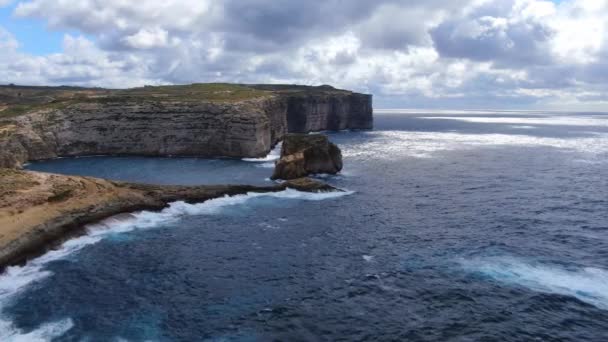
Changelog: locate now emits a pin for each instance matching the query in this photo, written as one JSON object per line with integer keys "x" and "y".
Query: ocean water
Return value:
{"x": 458, "y": 226}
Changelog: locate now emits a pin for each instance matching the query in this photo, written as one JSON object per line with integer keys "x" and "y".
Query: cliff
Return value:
{"x": 39, "y": 209}
{"x": 206, "y": 120}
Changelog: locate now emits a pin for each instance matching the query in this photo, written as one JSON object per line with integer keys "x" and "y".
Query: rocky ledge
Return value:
{"x": 38, "y": 210}
{"x": 205, "y": 120}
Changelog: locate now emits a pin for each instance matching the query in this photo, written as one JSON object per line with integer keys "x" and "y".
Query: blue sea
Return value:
{"x": 456, "y": 226}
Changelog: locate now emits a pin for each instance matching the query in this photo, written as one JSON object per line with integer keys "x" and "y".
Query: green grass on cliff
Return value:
{"x": 19, "y": 109}
{"x": 21, "y": 100}
{"x": 214, "y": 92}
{"x": 18, "y": 100}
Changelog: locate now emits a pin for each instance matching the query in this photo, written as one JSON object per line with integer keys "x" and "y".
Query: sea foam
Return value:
{"x": 588, "y": 284}
{"x": 16, "y": 279}
{"x": 46, "y": 332}
{"x": 274, "y": 155}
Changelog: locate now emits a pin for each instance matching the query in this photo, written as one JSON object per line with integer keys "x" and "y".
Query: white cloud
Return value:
{"x": 149, "y": 38}
{"x": 581, "y": 28}
{"x": 414, "y": 53}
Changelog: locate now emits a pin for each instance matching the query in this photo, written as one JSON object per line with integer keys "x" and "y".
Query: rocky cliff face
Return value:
{"x": 306, "y": 154}
{"x": 224, "y": 122}
{"x": 312, "y": 113}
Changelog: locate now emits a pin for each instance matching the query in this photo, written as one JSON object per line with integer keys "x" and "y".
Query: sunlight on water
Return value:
{"x": 548, "y": 120}
{"x": 391, "y": 144}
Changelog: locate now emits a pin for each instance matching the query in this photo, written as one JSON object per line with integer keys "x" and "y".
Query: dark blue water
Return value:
{"x": 463, "y": 227}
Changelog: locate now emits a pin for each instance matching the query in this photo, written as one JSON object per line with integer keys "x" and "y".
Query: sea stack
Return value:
{"x": 306, "y": 154}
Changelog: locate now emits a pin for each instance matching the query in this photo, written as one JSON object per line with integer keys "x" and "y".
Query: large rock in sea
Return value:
{"x": 305, "y": 154}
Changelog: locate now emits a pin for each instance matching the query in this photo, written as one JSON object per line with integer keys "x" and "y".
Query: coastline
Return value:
{"x": 39, "y": 210}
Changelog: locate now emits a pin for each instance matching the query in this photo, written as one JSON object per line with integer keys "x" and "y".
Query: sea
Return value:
{"x": 454, "y": 226}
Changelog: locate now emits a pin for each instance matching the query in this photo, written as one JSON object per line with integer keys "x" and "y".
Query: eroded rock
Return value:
{"x": 306, "y": 154}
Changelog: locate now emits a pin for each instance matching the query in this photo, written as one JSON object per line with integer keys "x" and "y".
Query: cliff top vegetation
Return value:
{"x": 17, "y": 100}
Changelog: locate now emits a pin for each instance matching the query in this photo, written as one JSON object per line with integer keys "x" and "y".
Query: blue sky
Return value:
{"x": 417, "y": 53}
{"x": 33, "y": 35}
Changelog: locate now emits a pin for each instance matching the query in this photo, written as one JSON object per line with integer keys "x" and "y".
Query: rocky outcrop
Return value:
{"x": 196, "y": 120}
{"x": 38, "y": 210}
{"x": 310, "y": 113}
{"x": 306, "y": 154}
{"x": 324, "y": 108}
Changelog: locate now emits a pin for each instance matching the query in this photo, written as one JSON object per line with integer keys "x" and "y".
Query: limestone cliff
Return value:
{"x": 198, "y": 120}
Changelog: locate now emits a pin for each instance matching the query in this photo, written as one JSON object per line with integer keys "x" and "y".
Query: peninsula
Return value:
{"x": 38, "y": 210}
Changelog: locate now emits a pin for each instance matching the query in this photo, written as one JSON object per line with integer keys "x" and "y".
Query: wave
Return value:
{"x": 274, "y": 155}
{"x": 16, "y": 279}
{"x": 269, "y": 165}
{"x": 46, "y": 332}
{"x": 588, "y": 284}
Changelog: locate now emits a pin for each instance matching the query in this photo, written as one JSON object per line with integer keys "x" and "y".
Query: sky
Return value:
{"x": 439, "y": 54}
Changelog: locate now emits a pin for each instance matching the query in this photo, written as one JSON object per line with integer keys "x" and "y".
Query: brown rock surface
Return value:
{"x": 306, "y": 154}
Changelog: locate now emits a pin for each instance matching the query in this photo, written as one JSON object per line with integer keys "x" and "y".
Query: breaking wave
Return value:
{"x": 588, "y": 284}
{"x": 16, "y": 279}
{"x": 46, "y": 332}
{"x": 274, "y": 155}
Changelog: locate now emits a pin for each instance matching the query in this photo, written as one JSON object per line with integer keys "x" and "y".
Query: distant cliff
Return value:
{"x": 196, "y": 120}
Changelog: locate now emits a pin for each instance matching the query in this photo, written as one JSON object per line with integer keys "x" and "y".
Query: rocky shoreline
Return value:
{"x": 38, "y": 210}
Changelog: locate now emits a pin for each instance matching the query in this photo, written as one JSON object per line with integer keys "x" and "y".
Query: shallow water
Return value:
{"x": 465, "y": 226}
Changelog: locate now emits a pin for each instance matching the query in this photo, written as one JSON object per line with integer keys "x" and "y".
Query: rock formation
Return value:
{"x": 306, "y": 154}
{"x": 38, "y": 209}
{"x": 206, "y": 120}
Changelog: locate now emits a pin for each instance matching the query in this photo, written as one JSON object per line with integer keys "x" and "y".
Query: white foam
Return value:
{"x": 46, "y": 332}
{"x": 588, "y": 284}
{"x": 274, "y": 155}
{"x": 391, "y": 144}
{"x": 522, "y": 127}
{"x": 368, "y": 258}
{"x": 593, "y": 121}
{"x": 17, "y": 278}
{"x": 269, "y": 165}
{"x": 414, "y": 111}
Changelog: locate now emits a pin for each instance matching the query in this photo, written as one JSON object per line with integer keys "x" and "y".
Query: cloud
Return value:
{"x": 149, "y": 38}
{"x": 492, "y": 53}
{"x": 516, "y": 36}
